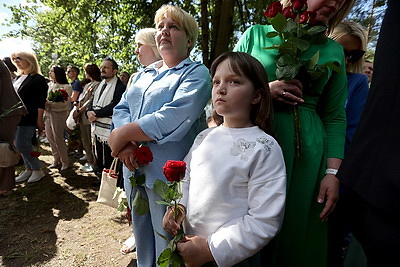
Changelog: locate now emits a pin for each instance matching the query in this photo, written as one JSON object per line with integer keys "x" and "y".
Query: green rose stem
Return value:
{"x": 297, "y": 132}
{"x": 12, "y": 109}
{"x": 171, "y": 193}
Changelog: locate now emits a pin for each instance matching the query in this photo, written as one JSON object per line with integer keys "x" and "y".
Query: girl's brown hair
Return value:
{"x": 245, "y": 64}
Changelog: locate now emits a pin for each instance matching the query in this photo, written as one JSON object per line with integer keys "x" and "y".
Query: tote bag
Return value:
{"x": 9, "y": 155}
{"x": 108, "y": 193}
{"x": 70, "y": 122}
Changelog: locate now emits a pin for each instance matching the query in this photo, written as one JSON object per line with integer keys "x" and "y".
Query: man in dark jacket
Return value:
{"x": 100, "y": 110}
{"x": 371, "y": 168}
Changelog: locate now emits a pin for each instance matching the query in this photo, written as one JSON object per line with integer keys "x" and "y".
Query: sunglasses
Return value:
{"x": 354, "y": 56}
{"x": 15, "y": 59}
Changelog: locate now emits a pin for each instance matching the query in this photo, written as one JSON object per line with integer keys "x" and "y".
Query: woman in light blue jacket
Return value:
{"x": 162, "y": 108}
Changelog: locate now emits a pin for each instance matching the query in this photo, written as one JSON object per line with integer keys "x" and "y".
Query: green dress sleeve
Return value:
{"x": 332, "y": 103}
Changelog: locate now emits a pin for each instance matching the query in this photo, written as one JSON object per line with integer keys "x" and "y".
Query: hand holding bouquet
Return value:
{"x": 298, "y": 30}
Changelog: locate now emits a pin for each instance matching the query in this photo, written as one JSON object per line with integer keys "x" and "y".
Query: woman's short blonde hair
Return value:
{"x": 338, "y": 17}
{"x": 147, "y": 36}
{"x": 182, "y": 18}
{"x": 34, "y": 67}
{"x": 356, "y": 30}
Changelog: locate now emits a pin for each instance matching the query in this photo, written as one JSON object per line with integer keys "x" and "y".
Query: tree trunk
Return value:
{"x": 223, "y": 27}
{"x": 205, "y": 33}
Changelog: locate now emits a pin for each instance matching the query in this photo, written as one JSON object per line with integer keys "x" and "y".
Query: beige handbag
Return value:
{"x": 109, "y": 194}
{"x": 9, "y": 155}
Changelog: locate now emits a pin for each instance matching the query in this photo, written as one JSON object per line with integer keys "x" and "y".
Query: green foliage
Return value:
{"x": 4, "y": 113}
{"x": 171, "y": 194}
{"x": 167, "y": 191}
{"x": 296, "y": 39}
{"x": 162, "y": 189}
{"x": 81, "y": 31}
{"x": 137, "y": 180}
{"x": 169, "y": 256}
{"x": 139, "y": 202}
{"x": 369, "y": 13}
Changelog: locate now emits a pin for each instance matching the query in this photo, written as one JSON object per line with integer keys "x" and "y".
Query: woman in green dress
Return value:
{"x": 312, "y": 187}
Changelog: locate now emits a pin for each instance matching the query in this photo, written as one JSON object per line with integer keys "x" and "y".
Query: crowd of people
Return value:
{"x": 250, "y": 196}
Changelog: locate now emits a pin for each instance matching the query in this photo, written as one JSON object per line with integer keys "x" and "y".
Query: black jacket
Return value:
{"x": 371, "y": 168}
{"x": 33, "y": 92}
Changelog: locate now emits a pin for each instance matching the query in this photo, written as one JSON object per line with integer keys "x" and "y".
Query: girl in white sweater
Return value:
{"x": 235, "y": 183}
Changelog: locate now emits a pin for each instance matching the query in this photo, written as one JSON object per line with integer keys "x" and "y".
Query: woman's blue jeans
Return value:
{"x": 149, "y": 244}
{"x": 23, "y": 139}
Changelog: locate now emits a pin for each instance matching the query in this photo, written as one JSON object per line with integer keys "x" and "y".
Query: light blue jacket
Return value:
{"x": 167, "y": 106}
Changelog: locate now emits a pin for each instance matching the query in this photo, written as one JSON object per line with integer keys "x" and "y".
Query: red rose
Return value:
{"x": 308, "y": 17}
{"x": 143, "y": 155}
{"x": 174, "y": 170}
{"x": 114, "y": 175}
{"x": 299, "y": 4}
{"x": 289, "y": 13}
{"x": 273, "y": 9}
{"x": 35, "y": 154}
{"x": 64, "y": 94}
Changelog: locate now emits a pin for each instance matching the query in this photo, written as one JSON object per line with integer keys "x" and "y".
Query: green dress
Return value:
{"x": 302, "y": 240}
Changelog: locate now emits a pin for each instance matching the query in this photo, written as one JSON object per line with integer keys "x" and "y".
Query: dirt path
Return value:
{"x": 57, "y": 222}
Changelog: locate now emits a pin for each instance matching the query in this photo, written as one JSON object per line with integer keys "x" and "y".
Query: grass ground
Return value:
{"x": 57, "y": 222}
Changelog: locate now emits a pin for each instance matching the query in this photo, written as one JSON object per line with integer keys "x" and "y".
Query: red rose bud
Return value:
{"x": 273, "y": 9}
{"x": 106, "y": 170}
{"x": 288, "y": 12}
{"x": 114, "y": 175}
{"x": 299, "y": 4}
{"x": 34, "y": 154}
{"x": 128, "y": 215}
{"x": 174, "y": 170}
{"x": 308, "y": 17}
{"x": 143, "y": 155}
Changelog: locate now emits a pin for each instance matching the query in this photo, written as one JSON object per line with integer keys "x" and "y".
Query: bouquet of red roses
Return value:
{"x": 174, "y": 172}
{"x": 59, "y": 95}
{"x": 298, "y": 30}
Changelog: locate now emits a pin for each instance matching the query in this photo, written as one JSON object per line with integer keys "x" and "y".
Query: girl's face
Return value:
{"x": 52, "y": 74}
{"x": 351, "y": 45}
{"x": 172, "y": 41}
{"x": 233, "y": 96}
{"x": 145, "y": 54}
{"x": 325, "y": 9}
